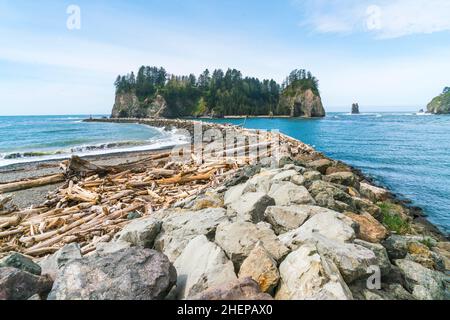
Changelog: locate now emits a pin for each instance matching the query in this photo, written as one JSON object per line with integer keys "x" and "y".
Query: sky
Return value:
{"x": 62, "y": 57}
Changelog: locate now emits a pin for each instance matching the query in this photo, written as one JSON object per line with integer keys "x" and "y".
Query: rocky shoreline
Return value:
{"x": 309, "y": 229}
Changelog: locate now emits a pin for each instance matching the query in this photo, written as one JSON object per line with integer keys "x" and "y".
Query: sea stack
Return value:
{"x": 355, "y": 108}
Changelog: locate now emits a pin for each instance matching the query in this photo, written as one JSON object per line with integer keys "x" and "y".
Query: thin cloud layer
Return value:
{"x": 385, "y": 19}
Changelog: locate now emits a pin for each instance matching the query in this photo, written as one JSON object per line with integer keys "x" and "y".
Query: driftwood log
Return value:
{"x": 33, "y": 183}
{"x": 95, "y": 201}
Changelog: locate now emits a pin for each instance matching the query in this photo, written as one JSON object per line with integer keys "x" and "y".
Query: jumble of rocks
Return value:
{"x": 311, "y": 230}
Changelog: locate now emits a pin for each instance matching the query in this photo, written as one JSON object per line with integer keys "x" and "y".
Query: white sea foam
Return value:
{"x": 169, "y": 139}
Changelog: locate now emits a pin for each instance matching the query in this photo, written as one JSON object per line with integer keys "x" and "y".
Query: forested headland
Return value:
{"x": 217, "y": 93}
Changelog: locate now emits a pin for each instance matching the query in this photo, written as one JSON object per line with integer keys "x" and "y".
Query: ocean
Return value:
{"x": 408, "y": 153}
{"x": 33, "y": 138}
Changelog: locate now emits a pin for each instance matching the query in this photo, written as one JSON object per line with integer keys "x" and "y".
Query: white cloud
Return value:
{"x": 391, "y": 18}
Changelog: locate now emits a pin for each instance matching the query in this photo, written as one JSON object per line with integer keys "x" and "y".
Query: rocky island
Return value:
{"x": 355, "y": 108}
{"x": 302, "y": 227}
{"x": 155, "y": 93}
{"x": 440, "y": 104}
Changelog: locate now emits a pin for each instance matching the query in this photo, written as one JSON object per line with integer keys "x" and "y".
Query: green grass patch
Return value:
{"x": 392, "y": 220}
{"x": 428, "y": 242}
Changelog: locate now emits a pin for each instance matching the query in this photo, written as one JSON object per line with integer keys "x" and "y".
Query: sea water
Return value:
{"x": 36, "y": 138}
{"x": 406, "y": 152}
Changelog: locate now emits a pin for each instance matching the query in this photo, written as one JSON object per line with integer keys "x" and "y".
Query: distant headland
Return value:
{"x": 154, "y": 93}
{"x": 441, "y": 103}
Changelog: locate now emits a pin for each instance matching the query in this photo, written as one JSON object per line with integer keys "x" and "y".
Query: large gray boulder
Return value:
{"x": 287, "y": 218}
{"x": 328, "y": 223}
{"x": 16, "y": 284}
{"x": 287, "y": 193}
{"x": 241, "y": 289}
{"x": 330, "y": 196}
{"x": 262, "y": 181}
{"x": 348, "y": 179}
{"x": 240, "y": 238}
{"x": 425, "y": 284}
{"x": 234, "y": 194}
{"x": 381, "y": 254}
{"x": 202, "y": 265}
{"x": 251, "y": 207}
{"x": 180, "y": 227}
{"x": 374, "y": 194}
{"x": 306, "y": 275}
{"x": 52, "y": 264}
{"x": 353, "y": 261}
{"x": 19, "y": 261}
{"x": 140, "y": 232}
{"x": 130, "y": 274}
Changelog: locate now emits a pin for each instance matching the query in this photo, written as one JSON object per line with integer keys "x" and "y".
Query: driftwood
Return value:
{"x": 94, "y": 203}
{"x": 28, "y": 184}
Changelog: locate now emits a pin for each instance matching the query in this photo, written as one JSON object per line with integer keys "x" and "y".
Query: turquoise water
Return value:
{"x": 408, "y": 153}
{"x": 25, "y": 139}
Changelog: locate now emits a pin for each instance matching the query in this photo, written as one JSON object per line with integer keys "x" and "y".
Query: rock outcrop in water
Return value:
{"x": 302, "y": 103}
{"x": 355, "y": 108}
{"x": 127, "y": 105}
{"x": 440, "y": 104}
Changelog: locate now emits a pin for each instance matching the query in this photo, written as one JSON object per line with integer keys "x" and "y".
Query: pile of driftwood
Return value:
{"x": 96, "y": 202}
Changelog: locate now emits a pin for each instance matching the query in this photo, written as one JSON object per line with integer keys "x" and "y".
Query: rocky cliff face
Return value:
{"x": 440, "y": 104}
{"x": 127, "y": 105}
{"x": 302, "y": 103}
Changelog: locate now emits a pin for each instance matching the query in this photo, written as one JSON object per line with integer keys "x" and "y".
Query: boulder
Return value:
{"x": 422, "y": 254}
{"x": 353, "y": 261}
{"x": 287, "y": 218}
{"x": 348, "y": 179}
{"x": 311, "y": 176}
{"x": 287, "y": 193}
{"x": 363, "y": 205}
{"x": 234, "y": 193}
{"x": 381, "y": 254}
{"x": 240, "y": 238}
{"x": 338, "y": 168}
{"x": 425, "y": 284}
{"x": 179, "y": 228}
{"x": 285, "y": 175}
{"x": 52, "y": 264}
{"x": 397, "y": 246}
{"x": 130, "y": 274}
{"x": 202, "y": 265}
{"x": 262, "y": 181}
{"x": 306, "y": 275}
{"x": 320, "y": 165}
{"x": 205, "y": 201}
{"x": 328, "y": 223}
{"x": 298, "y": 180}
{"x": 330, "y": 196}
{"x": 369, "y": 228}
{"x": 261, "y": 267}
{"x": 16, "y": 284}
{"x": 241, "y": 289}
{"x": 372, "y": 193}
{"x": 19, "y": 261}
{"x": 140, "y": 232}
{"x": 111, "y": 247}
{"x": 251, "y": 206}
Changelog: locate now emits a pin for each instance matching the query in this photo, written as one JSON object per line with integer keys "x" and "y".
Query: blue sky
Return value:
{"x": 389, "y": 55}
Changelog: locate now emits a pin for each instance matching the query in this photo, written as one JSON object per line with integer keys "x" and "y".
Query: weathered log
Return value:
{"x": 28, "y": 184}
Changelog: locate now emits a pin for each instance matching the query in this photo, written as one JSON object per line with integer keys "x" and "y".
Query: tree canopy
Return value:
{"x": 218, "y": 92}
